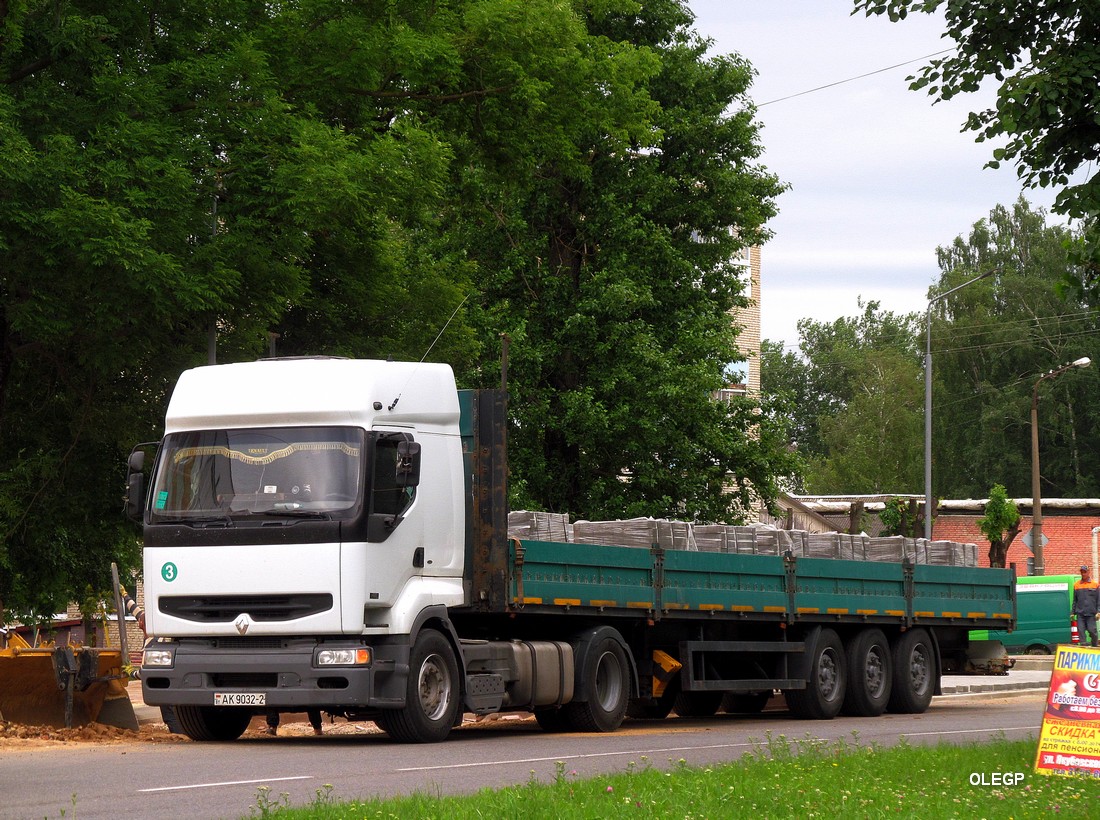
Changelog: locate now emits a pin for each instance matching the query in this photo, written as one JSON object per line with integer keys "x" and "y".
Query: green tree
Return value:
{"x": 1046, "y": 57}
{"x": 352, "y": 178}
{"x": 900, "y": 516}
{"x": 873, "y": 444}
{"x": 785, "y": 385}
{"x": 1000, "y": 524}
{"x": 111, "y": 160}
{"x": 167, "y": 171}
{"x": 785, "y": 379}
{"x": 990, "y": 343}
{"x": 605, "y": 237}
{"x": 853, "y": 401}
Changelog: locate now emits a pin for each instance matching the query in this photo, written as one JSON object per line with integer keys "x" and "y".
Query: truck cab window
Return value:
{"x": 389, "y": 495}
{"x": 236, "y": 474}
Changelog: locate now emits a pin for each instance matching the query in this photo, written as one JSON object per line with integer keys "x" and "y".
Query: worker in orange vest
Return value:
{"x": 1086, "y": 601}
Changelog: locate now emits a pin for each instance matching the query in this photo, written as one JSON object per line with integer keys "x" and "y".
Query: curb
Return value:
{"x": 1021, "y": 678}
{"x": 988, "y": 688}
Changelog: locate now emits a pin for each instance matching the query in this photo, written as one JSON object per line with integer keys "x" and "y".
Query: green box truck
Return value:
{"x": 1043, "y": 606}
{"x": 332, "y": 534}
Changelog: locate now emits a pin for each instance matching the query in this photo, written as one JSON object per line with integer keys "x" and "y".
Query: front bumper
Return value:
{"x": 283, "y": 670}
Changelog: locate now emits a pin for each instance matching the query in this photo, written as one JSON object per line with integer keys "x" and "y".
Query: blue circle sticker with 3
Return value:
{"x": 169, "y": 572}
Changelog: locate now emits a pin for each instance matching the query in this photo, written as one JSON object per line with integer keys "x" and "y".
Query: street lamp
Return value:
{"x": 928, "y": 401}
{"x": 1036, "y": 496}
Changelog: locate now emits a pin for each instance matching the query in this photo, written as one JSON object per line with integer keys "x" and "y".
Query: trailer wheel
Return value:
{"x": 914, "y": 673}
{"x": 608, "y": 686}
{"x": 870, "y": 672}
{"x": 824, "y": 692}
{"x": 431, "y": 695}
{"x": 698, "y": 704}
{"x": 213, "y": 722}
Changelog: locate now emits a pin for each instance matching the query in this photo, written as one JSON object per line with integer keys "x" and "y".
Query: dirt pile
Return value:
{"x": 15, "y": 735}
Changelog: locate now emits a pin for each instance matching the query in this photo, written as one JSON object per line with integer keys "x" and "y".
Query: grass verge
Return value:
{"x": 780, "y": 778}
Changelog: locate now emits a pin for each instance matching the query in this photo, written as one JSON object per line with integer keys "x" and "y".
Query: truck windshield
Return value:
{"x": 226, "y": 474}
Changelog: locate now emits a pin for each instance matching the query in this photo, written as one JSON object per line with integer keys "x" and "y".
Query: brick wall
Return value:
{"x": 1070, "y": 543}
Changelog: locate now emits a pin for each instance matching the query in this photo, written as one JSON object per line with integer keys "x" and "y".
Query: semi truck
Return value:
{"x": 332, "y": 534}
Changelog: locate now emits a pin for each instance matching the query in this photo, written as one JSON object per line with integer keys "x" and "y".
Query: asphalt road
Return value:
{"x": 221, "y": 780}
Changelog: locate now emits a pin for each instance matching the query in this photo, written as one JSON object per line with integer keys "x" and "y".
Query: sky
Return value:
{"x": 879, "y": 176}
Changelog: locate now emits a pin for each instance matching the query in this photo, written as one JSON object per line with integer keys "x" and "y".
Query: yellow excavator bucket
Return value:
{"x": 63, "y": 686}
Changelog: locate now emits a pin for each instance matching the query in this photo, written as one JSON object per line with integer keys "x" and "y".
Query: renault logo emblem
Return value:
{"x": 242, "y": 624}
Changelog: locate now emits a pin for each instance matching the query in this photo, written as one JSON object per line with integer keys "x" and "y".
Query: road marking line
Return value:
{"x": 973, "y": 731}
{"x": 581, "y": 757}
{"x": 227, "y": 783}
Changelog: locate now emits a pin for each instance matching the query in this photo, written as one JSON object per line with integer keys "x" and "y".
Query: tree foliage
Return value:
{"x": 854, "y": 401}
{"x": 350, "y": 179}
{"x": 608, "y": 266}
{"x": 854, "y": 394}
{"x": 1046, "y": 56}
{"x": 1000, "y": 524}
{"x": 900, "y": 516}
{"x": 990, "y": 343}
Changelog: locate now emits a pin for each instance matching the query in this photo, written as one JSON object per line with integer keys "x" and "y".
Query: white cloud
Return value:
{"x": 879, "y": 175}
{"x": 781, "y": 325}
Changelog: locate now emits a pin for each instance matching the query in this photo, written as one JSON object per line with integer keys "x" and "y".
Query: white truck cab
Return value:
{"x": 309, "y": 511}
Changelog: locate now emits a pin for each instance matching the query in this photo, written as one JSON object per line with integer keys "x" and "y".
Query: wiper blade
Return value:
{"x": 196, "y": 520}
{"x": 212, "y": 521}
{"x": 291, "y": 512}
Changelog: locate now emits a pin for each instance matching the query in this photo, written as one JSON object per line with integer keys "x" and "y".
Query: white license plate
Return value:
{"x": 240, "y": 699}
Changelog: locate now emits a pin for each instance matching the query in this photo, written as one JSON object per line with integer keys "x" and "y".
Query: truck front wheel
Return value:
{"x": 431, "y": 695}
{"x": 826, "y": 683}
{"x": 914, "y": 673}
{"x": 608, "y": 686}
{"x": 213, "y": 722}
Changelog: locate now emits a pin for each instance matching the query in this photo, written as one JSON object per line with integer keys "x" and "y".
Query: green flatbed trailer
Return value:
{"x": 701, "y": 630}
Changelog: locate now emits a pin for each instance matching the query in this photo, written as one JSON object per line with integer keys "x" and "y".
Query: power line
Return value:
{"x": 976, "y": 331}
{"x": 853, "y": 79}
{"x": 1058, "y": 337}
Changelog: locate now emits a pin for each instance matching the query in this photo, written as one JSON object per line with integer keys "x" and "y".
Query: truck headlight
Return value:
{"x": 359, "y": 656}
{"x": 157, "y": 658}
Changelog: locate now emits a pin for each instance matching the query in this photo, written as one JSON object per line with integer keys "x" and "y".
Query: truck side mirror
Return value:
{"x": 136, "y": 462}
{"x": 135, "y": 486}
{"x": 408, "y": 463}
